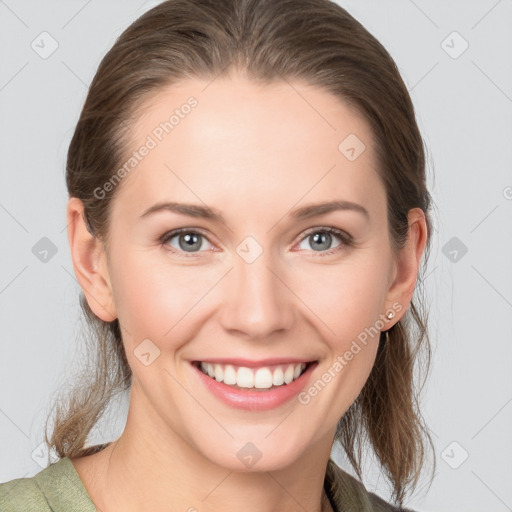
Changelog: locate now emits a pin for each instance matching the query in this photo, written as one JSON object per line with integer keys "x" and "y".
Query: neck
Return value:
{"x": 153, "y": 468}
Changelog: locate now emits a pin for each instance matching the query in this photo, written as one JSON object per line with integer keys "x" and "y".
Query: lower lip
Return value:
{"x": 255, "y": 400}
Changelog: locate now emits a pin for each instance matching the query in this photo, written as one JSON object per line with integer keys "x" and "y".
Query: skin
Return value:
{"x": 255, "y": 153}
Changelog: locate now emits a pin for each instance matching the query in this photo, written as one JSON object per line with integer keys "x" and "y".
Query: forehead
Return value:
{"x": 249, "y": 145}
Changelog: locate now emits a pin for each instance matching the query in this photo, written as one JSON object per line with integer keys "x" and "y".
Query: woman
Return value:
{"x": 220, "y": 143}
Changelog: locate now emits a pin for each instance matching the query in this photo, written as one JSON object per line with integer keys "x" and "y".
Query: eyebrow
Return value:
{"x": 305, "y": 212}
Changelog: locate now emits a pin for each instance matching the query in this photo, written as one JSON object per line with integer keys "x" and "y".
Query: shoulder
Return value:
{"x": 22, "y": 494}
{"x": 57, "y": 488}
{"x": 349, "y": 494}
{"x": 379, "y": 505}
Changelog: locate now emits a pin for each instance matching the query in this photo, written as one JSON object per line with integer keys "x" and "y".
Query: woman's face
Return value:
{"x": 263, "y": 280}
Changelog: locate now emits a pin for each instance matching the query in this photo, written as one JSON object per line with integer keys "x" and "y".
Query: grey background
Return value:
{"x": 464, "y": 104}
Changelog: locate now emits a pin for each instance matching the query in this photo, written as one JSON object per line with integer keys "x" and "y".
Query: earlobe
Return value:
{"x": 408, "y": 264}
{"x": 89, "y": 263}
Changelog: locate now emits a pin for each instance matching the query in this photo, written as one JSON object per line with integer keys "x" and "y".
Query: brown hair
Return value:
{"x": 315, "y": 41}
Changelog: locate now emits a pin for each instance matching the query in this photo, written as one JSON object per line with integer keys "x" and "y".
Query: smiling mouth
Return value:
{"x": 262, "y": 378}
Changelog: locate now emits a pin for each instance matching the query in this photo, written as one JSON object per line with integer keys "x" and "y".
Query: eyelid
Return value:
{"x": 346, "y": 238}
{"x": 169, "y": 235}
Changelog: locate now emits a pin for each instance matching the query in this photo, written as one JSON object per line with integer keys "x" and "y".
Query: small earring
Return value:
{"x": 390, "y": 315}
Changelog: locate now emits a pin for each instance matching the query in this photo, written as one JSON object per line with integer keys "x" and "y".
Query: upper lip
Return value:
{"x": 255, "y": 363}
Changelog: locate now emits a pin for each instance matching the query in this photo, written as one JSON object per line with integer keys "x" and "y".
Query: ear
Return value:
{"x": 89, "y": 263}
{"x": 408, "y": 264}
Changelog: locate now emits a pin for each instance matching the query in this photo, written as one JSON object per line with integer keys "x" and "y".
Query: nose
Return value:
{"x": 258, "y": 302}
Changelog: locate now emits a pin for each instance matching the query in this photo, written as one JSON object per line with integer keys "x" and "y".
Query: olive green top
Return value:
{"x": 58, "y": 488}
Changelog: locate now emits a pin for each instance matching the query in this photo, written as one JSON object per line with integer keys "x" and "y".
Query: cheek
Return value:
{"x": 153, "y": 295}
{"x": 346, "y": 298}
{"x": 157, "y": 298}
{"x": 347, "y": 302}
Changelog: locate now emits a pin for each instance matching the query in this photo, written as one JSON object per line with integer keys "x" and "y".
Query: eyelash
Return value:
{"x": 345, "y": 238}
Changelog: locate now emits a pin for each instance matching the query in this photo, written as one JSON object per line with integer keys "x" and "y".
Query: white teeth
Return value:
{"x": 218, "y": 373}
{"x": 288, "y": 374}
{"x": 229, "y": 375}
{"x": 262, "y": 378}
{"x": 278, "y": 377}
{"x": 245, "y": 377}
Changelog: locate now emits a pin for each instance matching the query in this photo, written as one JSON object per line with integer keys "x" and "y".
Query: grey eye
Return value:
{"x": 320, "y": 240}
{"x": 188, "y": 241}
